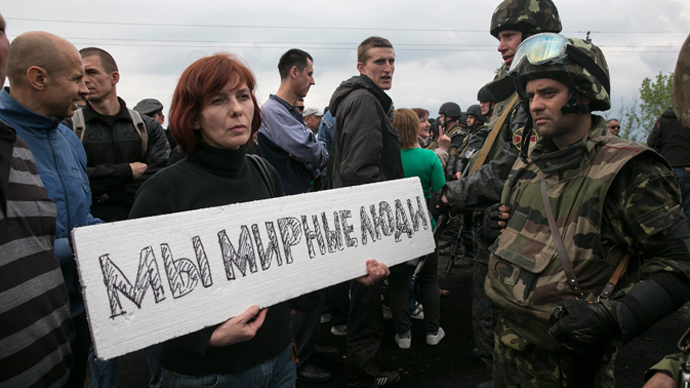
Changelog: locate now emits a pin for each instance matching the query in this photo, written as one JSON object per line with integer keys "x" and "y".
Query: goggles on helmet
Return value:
{"x": 552, "y": 48}
{"x": 540, "y": 49}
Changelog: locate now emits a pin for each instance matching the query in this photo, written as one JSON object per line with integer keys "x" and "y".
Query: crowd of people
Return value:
{"x": 578, "y": 240}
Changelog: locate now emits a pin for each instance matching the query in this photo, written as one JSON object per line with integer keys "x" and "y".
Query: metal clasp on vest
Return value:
{"x": 578, "y": 293}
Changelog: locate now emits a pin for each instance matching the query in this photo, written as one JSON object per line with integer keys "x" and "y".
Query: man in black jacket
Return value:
{"x": 117, "y": 164}
{"x": 366, "y": 149}
{"x": 672, "y": 140}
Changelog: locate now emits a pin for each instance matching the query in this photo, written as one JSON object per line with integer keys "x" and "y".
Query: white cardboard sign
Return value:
{"x": 148, "y": 280}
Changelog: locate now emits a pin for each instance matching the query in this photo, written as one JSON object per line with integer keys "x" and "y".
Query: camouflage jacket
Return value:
{"x": 482, "y": 188}
{"x": 457, "y": 132}
{"x": 457, "y": 135}
{"x": 669, "y": 365}
{"x": 610, "y": 198}
{"x": 469, "y": 145}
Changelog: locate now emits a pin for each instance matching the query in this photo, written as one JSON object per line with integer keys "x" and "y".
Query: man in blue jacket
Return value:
{"x": 46, "y": 83}
{"x": 284, "y": 138}
{"x": 292, "y": 149}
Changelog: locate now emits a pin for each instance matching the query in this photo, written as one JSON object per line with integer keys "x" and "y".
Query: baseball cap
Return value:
{"x": 312, "y": 111}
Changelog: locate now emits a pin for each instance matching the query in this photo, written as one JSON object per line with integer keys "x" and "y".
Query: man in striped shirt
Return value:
{"x": 35, "y": 325}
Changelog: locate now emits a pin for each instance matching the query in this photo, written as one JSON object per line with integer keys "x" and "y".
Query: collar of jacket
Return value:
{"x": 550, "y": 159}
{"x": 363, "y": 82}
{"x": 15, "y": 113}
{"x": 380, "y": 95}
{"x": 502, "y": 86}
{"x": 91, "y": 114}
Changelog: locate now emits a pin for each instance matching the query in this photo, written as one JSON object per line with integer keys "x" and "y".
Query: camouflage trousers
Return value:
{"x": 539, "y": 368}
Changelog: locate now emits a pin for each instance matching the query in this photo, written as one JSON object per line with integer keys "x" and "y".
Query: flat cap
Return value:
{"x": 148, "y": 106}
{"x": 312, "y": 111}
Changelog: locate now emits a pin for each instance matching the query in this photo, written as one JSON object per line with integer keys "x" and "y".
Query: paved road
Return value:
{"x": 449, "y": 363}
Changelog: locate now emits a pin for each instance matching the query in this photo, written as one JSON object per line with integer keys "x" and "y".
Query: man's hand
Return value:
{"x": 438, "y": 205}
{"x": 495, "y": 220}
{"x": 443, "y": 140}
{"x": 660, "y": 380}
{"x": 496, "y": 217}
{"x": 238, "y": 329}
{"x": 582, "y": 326}
{"x": 138, "y": 169}
{"x": 376, "y": 271}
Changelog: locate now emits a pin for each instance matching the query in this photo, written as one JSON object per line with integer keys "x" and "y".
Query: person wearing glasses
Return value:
{"x": 299, "y": 104}
{"x": 614, "y": 126}
{"x": 591, "y": 245}
{"x": 480, "y": 186}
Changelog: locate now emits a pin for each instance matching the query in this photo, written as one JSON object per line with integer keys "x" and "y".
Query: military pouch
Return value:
{"x": 518, "y": 261}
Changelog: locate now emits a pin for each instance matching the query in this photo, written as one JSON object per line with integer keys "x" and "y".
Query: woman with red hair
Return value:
{"x": 213, "y": 116}
{"x": 424, "y": 135}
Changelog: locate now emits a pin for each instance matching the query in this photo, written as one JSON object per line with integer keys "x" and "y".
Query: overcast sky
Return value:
{"x": 444, "y": 51}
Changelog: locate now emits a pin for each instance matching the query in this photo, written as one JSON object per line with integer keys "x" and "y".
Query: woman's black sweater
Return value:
{"x": 213, "y": 177}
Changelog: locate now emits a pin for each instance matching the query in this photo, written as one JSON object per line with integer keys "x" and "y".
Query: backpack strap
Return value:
{"x": 266, "y": 176}
{"x": 78, "y": 124}
{"x": 489, "y": 142}
{"x": 79, "y": 128}
{"x": 140, "y": 127}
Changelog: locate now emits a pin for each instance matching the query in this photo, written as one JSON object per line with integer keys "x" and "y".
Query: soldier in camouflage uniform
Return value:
{"x": 666, "y": 372}
{"x": 481, "y": 186}
{"x": 476, "y": 135}
{"x": 461, "y": 150}
{"x": 583, "y": 206}
{"x": 450, "y": 116}
{"x": 486, "y": 102}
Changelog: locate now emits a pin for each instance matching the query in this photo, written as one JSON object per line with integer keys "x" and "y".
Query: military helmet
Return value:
{"x": 484, "y": 94}
{"x": 450, "y": 109}
{"x": 582, "y": 67}
{"x": 528, "y": 16}
{"x": 476, "y": 111}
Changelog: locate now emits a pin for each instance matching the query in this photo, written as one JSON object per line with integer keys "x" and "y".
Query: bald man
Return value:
{"x": 46, "y": 82}
{"x": 35, "y": 315}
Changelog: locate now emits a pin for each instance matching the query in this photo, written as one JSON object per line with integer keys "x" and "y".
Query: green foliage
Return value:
{"x": 655, "y": 97}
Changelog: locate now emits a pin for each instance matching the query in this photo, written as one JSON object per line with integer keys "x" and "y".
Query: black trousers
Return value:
{"x": 364, "y": 334}
{"x": 429, "y": 295}
{"x": 80, "y": 351}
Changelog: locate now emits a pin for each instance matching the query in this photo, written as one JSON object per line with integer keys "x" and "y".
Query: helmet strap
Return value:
{"x": 526, "y": 135}
{"x": 572, "y": 107}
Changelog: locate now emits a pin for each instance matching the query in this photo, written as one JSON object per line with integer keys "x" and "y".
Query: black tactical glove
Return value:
{"x": 583, "y": 326}
{"x": 437, "y": 206}
{"x": 490, "y": 227}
